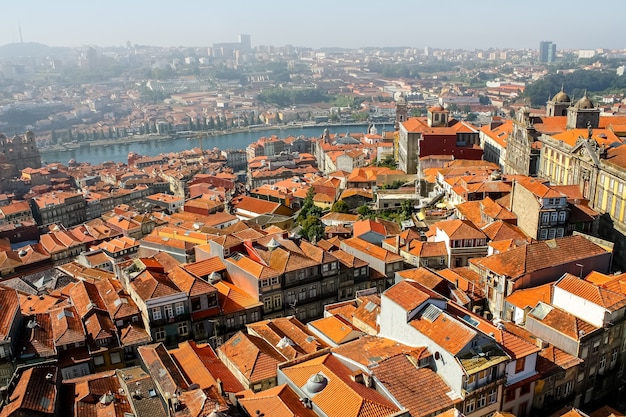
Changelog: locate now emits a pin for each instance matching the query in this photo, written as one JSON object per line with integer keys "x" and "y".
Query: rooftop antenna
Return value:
{"x": 19, "y": 27}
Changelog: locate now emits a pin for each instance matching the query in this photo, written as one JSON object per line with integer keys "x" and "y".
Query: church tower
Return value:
{"x": 583, "y": 114}
{"x": 402, "y": 111}
{"x": 559, "y": 104}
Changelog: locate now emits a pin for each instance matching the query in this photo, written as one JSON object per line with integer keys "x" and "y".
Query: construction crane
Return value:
{"x": 200, "y": 137}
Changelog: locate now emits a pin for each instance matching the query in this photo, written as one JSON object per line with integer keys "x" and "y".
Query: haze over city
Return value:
{"x": 453, "y": 24}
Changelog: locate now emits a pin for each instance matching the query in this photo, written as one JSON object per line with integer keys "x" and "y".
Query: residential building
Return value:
{"x": 66, "y": 208}
{"x": 536, "y": 264}
{"x": 462, "y": 239}
{"x": 437, "y": 134}
{"x": 384, "y": 262}
{"x": 471, "y": 363}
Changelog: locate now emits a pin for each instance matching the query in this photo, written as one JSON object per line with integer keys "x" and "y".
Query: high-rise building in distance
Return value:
{"x": 547, "y": 51}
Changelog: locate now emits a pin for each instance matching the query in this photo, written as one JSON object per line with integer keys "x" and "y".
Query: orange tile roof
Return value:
{"x": 400, "y": 376}
{"x": 336, "y": 328}
{"x": 300, "y": 339}
{"x": 191, "y": 366}
{"x": 609, "y": 300}
{"x": 67, "y": 329}
{"x": 540, "y": 188}
{"x": 459, "y": 229}
{"x": 216, "y": 367}
{"x": 529, "y": 297}
{"x": 357, "y": 400}
{"x": 443, "y": 329}
{"x": 362, "y": 227}
{"x": 369, "y": 351}
{"x": 372, "y": 250}
{"x": 423, "y": 276}
{"x": 252, "y": 356}
{"x": 562, "y": 321}
{"x": 279, "y": 401}
{"x": 539, "y": 255}
{"x": 410, "y": 294}
{"x": 33, "y": 394}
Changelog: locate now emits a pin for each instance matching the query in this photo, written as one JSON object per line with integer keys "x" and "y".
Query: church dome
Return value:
{"x": 561, "y": 97}
{"x": 584, "y": 103}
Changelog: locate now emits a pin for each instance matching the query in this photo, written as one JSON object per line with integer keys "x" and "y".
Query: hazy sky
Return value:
{"x": 344, "y": 23}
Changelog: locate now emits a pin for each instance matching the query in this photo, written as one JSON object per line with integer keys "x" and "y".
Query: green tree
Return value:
{"x": 340, "y": 206}
{"x": 313, "y": 229}
{"x": 364, "y": 212}
{"x": 471, "y": 117}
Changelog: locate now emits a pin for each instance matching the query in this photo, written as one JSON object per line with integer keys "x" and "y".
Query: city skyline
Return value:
{"x": 325, "y": 24}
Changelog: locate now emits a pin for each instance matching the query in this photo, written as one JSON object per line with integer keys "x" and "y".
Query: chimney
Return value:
{"x": 220, "y": 386}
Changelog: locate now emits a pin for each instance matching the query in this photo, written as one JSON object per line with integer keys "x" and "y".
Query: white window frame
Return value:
{"x": 156, "y": 313}
{"x": 180, "y": 308}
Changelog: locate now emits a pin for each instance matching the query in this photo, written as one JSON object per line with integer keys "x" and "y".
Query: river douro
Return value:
{"x": 118, "y": 152}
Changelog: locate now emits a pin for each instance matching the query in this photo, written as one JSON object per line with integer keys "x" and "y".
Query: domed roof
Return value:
{"x": 561, "y": 97}
{"x": 584, "y": 103}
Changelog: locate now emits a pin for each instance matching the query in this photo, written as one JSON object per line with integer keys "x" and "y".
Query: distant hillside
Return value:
{"x": 27, "y": 49}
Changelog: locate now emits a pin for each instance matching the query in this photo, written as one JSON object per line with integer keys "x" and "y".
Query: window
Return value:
{"x": 545, "y": 218}
{"x": 313, "y": 311}
{"x": 442, "y": 261}
{"x": 543, "y": 234}
{"x": 182, "y": 328}
{"x": 291, "y": 296}
{"x": 470, "y": 406}
{"x": 613, "y": 357}
{"x": 115, "y": 357}
{"x": 255, "y": 316}
{"x": 364, "y": 270}
{"x": 242, "y": 319}
{"x": 519, "y": 365}
{"x": 325, "y": 268}
{"x": 356, "y": 272}
{"x": 553, "y": 217}
{"x": 471, "y": 379}
{"x": 267, "y": 304}
{"x": 278, "y": 301}
{"x": 602, "y": 363}
{"x": 585, "y": 352}
{"x": 562, "y": 216}
{"x": 196, "y": 304}
{"x": 98, "y": 360}
{"x": 156, "y": 313}
{"x": 159, "y": 334}
{"x": 312, "y": 291}
{"x": 482, "y": 400}
{"x": 596, "y": 346}
{"x": 180, "y": 308}
{"x": 169, "y": 312}
{"x": 302, "y": 294}
{"x": 491, "y": 398}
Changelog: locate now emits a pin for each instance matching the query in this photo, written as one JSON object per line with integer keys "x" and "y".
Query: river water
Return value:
{"x": 119, "y": 152}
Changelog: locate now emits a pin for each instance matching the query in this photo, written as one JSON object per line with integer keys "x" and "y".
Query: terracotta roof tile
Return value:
{"x": 252, "y": 356}
{"x": 33, "y": 394}
{"x": 191, "y": 366}
{"x": 539, "y": 255}
{"x": 297, "y": 340}
{"x": 279, "y": 401}
{"x": 357, "y": 400}
{"x": 410, "y": 295}
{"x": 400, "y": 376}
{"x": 216, "y": 367}
{"x": 609, "y": 300}
{"x": 337, "y": 329}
